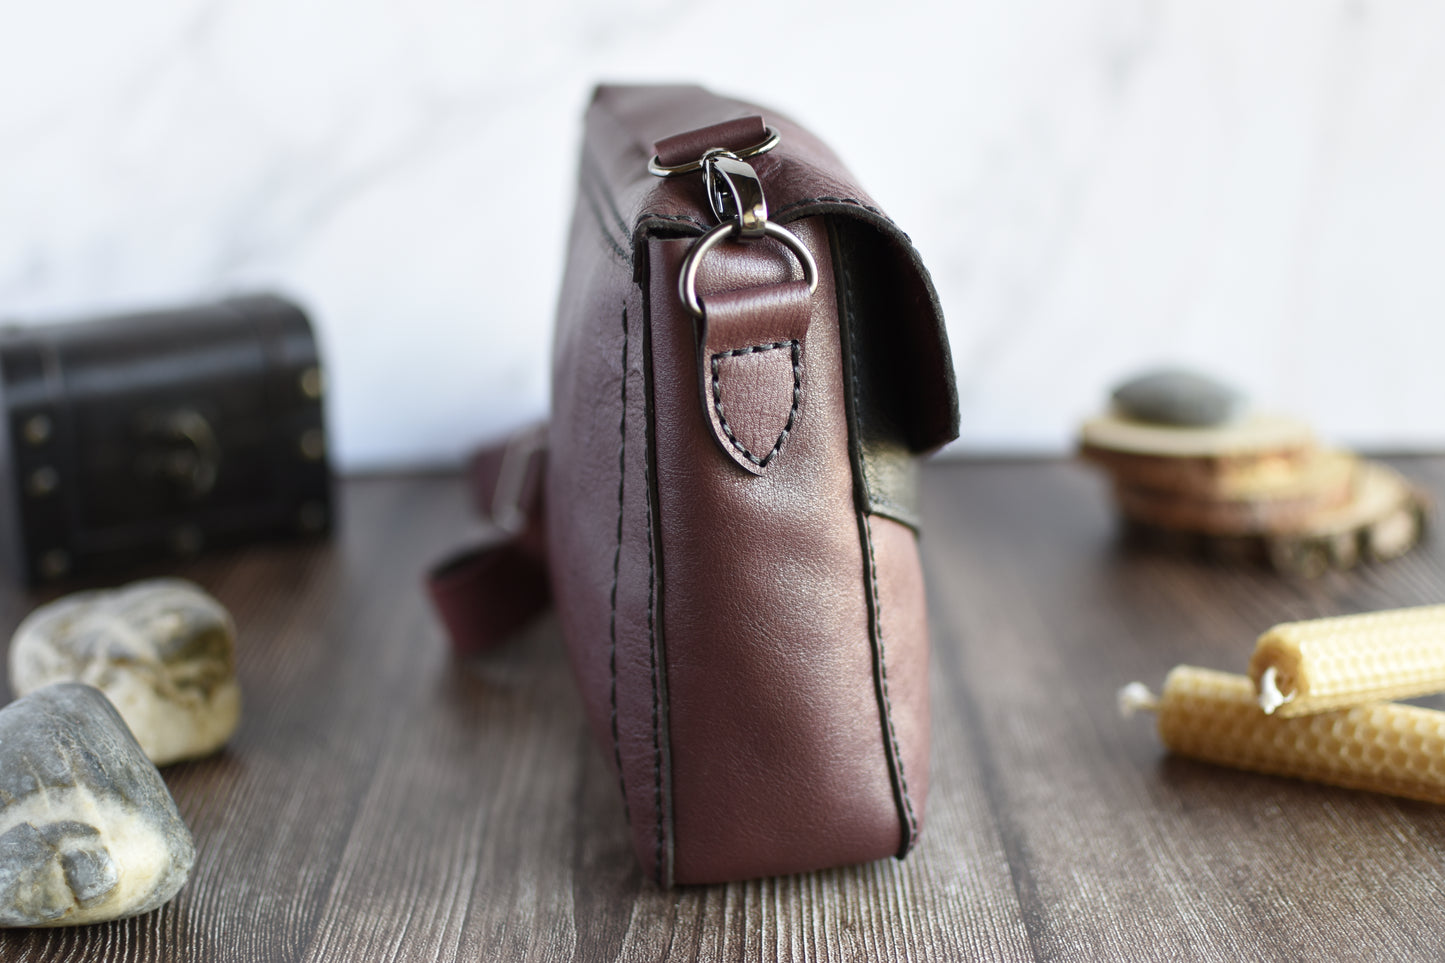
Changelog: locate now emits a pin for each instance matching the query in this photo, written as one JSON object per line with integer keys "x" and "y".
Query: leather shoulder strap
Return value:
{"x": 485, "y": 594}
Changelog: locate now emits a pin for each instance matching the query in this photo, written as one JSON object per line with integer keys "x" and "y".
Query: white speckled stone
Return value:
{"x": 162, "y": 650}
{"x": 88, "y": 830}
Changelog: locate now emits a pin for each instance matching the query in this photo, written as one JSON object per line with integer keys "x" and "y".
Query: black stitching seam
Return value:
{"x": 612, "y": 244}
{"x": 592, "y": 171}
{"x": 823, "y": 198}
{"x": 616, "y": 567}
{"x": 684, "y": 218}
{"x": 888, "y": 704}
{"x": 882, "y": 669}
{"x": 652, "y": 658}
{"x": 792, "y": 412}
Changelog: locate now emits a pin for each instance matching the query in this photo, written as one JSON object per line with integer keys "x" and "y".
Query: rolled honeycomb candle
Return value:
{"x": 1382, "y": 747}
{"x": 1303, "y": 667}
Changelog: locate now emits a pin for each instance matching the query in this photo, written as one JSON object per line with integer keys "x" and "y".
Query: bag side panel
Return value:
{"x": 778, "y": 763}
{"x": 884, "y": 363}
{"x": 602, "y": 559}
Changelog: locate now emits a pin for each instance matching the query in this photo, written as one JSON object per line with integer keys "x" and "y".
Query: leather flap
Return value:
{"x": 802, "y": 178}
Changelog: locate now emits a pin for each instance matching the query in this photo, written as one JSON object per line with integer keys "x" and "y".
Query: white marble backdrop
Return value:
{"x": 1257, "y": 188}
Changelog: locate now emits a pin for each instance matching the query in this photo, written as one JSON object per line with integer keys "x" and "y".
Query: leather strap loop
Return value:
{"x": 483, "y": 595}
{"x": 730, "y": 134}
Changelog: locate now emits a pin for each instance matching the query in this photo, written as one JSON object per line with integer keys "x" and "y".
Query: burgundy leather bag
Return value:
{"x": 749, "y": 361}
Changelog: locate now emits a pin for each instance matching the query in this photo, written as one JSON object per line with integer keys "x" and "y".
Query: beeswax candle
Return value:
{"x": 1382, "y": 747}
{"x": 1305, "y": 667}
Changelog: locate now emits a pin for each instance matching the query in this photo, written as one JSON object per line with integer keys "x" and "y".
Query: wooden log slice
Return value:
{"x": 1385, "y": 517}
{"x": 1216, "y": 476}
{"x": 1258, "y": 434}
{"x": 1274, "y": 504}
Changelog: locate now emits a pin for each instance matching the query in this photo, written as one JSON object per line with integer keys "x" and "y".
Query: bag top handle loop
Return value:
{"x": 683, "y": 153}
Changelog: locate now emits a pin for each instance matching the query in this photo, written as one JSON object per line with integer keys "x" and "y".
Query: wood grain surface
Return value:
{"x": 382, "y": 803}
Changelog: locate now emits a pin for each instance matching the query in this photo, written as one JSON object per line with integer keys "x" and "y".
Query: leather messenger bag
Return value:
{"x": 749, "y": 361}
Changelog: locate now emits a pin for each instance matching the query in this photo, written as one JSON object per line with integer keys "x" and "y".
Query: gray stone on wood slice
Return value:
{"x": 162, "y": 650}
{"x": 1174, "y": 396}
{"x": 88, "y": 830}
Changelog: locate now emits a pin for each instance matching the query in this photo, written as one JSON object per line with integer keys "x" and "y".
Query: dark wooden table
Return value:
{"x": 381, "y": 803}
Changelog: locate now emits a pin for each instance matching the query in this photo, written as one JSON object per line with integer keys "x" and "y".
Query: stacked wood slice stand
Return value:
{"x": 1192, "y": 471}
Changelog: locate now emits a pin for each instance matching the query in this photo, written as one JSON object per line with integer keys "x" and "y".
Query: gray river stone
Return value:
{"x": 163, "y": 651}
{"x": 88, "y": 830}
{"x": 1174, "y": 396}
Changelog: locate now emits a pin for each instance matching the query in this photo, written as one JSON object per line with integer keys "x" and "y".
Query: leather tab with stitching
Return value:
{"x": 751, "y": 369}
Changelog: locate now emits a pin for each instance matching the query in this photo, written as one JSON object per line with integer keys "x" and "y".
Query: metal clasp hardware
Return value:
{"x": 735, "y": 193}
{"x": 181, "y": 447}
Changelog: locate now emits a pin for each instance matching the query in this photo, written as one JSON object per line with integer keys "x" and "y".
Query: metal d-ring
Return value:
{"x": 771, "y": 139}
{"x": 687, "y": 280}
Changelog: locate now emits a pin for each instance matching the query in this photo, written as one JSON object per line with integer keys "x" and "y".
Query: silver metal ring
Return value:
{"x": 687, "y": 280}
{"x": 657, "y": 168}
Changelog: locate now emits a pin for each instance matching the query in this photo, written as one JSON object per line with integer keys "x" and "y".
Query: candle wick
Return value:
{"x": 1136, "y": 697}
{"x": 1270, "y": 698}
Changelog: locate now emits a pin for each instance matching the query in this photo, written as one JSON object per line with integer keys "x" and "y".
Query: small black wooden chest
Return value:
{"x": 159, "y": 434}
